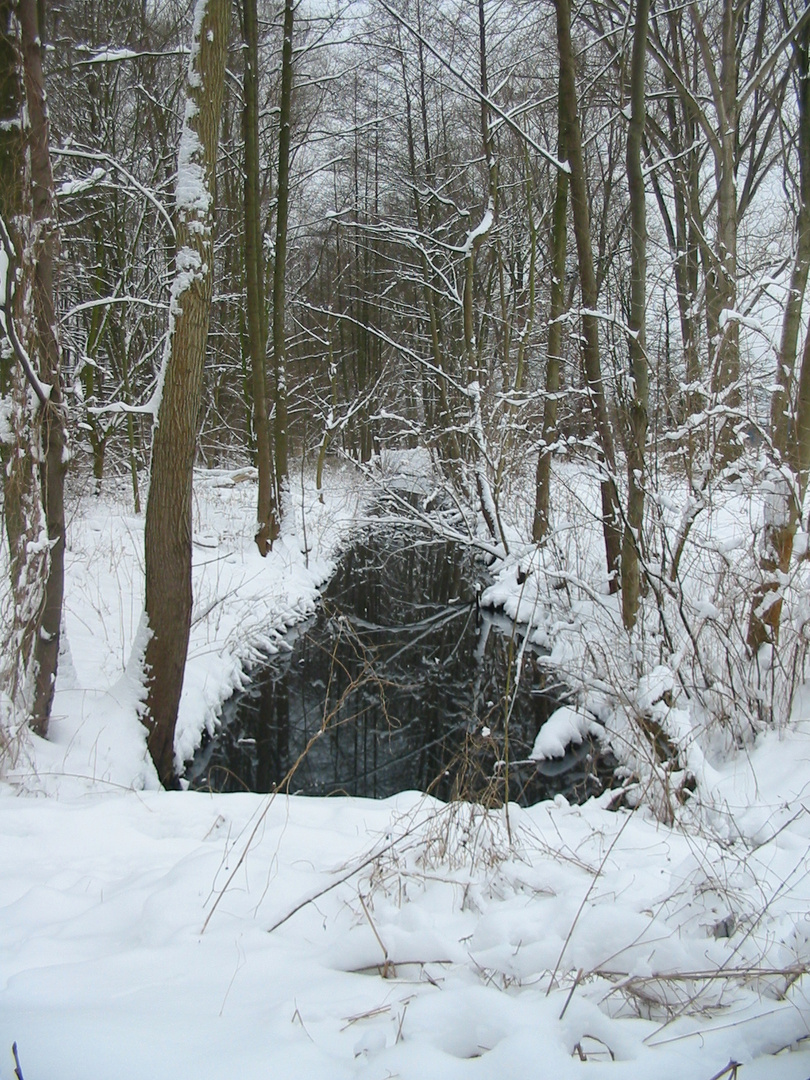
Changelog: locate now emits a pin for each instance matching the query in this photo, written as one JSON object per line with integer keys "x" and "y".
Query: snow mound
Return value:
{"x": 565, "y": 726}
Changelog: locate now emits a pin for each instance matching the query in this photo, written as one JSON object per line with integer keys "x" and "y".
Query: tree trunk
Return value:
{"x": 22, "y": 505}
{"x": 266, "y": 516}
{"x": 590, "y": 295}
{"x": 280, "y": 265}
{"x": 168, "y": 510}
{"x": 790, "y": 431}
{"x": 639, "y": 379}
{"x": 475, "y": 373}
{"x": 559, "y": 247}
{"x": 721, "y": 269}
{"x": 34, "y": 249}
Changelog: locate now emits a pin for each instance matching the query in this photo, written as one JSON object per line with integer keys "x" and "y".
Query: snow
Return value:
{"x": 181, "y": 934}
{"x": 565, "y": 726}
{"x": 80, "y": 184}
{"x": 192, "y": 196}
{"x": 200, "y": 11}
{"x": 104, "y": 56}
{"x": 481, "y": 229}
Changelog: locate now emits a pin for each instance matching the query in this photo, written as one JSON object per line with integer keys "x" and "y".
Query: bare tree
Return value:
{"x": 725, "y": 67}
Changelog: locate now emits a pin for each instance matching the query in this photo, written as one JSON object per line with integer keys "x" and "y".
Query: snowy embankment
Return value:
{"x": 149, "y": 934}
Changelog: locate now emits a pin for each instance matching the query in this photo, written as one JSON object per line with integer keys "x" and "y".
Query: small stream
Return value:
{"x": 398, "y": 683}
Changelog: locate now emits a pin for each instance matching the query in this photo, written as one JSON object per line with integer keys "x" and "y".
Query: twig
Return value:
{"x": 571, "y": 992}
{"x": 402, "y": 1021}
{"x": 388, "y": 970}
{"x": 730, "y": 1068}
{"x": 345, "y": 877}
{"x": 793, "y": 972}
{"x": 802, "y": 810}
{"x": 700, "y": 1032}
{"x": 369, "y": 1014}
{"x": 18, "y": 1067}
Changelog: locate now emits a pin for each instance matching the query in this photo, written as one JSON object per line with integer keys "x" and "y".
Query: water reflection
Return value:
{"x": 399, "y": 683}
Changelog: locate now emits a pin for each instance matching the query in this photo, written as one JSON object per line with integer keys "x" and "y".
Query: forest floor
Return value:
{"x": 151, "y": 934}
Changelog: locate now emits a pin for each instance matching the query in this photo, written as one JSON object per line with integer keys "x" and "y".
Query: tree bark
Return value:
{"x": 34, "y": 250}
{"x": 590, "y": 295}
{"x": 790, "y": 428}
{"x": 266, "y": 516}
{"x": 280, "y": 265}
{"x": 639, "y": 378}
{"x": 559, "y": 247}
{"x": 168, "y": 510}
{"x": 475, "y": 373}
{"x": 724, "y": 340}
{"x": 22, "y": 505}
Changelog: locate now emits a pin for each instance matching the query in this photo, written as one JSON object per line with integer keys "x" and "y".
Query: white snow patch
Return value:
{"x": 80, "y": 184}
{"x": 565, "y": 726}
{"x": 481, "y": 229}
{"x": 104, "y": 56}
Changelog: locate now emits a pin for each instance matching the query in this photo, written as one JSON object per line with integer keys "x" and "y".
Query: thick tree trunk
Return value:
{"x": 23, "y": 516}
{"x": 266, "y": 516}
{"x": 637, "y": 434}
{"x": 29, "y": 202}
{"x": 52, "y": 434}
{"x": 168, "y": 511}
{"x": 22, "y": 506}
{"x": 590, "y": 296}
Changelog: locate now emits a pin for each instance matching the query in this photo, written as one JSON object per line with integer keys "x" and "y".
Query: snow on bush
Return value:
{"x": 565, "y": 726}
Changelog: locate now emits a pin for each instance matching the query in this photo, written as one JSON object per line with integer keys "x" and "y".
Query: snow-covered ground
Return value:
{"x": 152, "y": 934}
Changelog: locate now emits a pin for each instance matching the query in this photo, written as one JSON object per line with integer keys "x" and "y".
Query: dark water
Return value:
{"x": 400, "y": 682}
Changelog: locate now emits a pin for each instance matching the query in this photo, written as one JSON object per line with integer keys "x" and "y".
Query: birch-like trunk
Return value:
{"x": 475, "y": 238}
